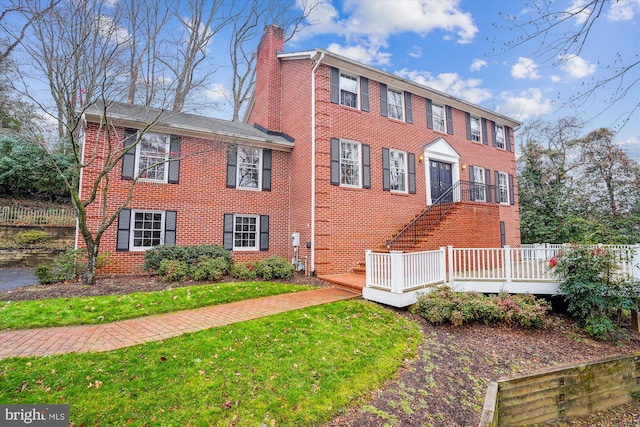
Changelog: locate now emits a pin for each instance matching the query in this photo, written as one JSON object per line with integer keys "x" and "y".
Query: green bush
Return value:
{"x": 69, "y": 265}
{"x": 189, "y": 254}
{"x": 44, "y": 273}
{"x": 173, "y": 270}
{"x": 29, "y": 237}
{"x": 274, "y": 268}
{"x": 210, "y": 269}
{"x": 457, "y": 308}
{"x": 244, "y": 271}
{"x": 594, "y": 289}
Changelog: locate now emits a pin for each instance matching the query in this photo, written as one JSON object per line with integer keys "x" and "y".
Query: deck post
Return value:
{"x": 450, "y": 262}
{"x": 397, "y": 272}
{"x": 635, "y": 261}
{"x": 368, "y": 265}
{"x": 507, "y": 263}
{"x": 443, "y": 264}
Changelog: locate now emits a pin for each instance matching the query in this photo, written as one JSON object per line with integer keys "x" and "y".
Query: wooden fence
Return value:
{"x": 17, "y": 215}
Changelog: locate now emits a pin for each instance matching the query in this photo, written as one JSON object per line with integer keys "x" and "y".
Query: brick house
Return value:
{"x": 342, "y": 153}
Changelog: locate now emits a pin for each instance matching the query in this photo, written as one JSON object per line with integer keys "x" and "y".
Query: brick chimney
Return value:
{"x": 268, "y": 91}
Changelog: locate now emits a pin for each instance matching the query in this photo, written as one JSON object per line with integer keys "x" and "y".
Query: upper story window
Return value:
{"x": 152, "y": 154}
{"x": 476, "y": 131}
{"x": 398, "y": 170}
{"x": 249, "y": 167}
{"x": 348, "y": 90}
{"x": 350, "y": 163}
{"x": 395, "y": 103}
{"x": 500, "y": 140}
{"x": 503, "y": 188}
{"x": 439, "y": 118}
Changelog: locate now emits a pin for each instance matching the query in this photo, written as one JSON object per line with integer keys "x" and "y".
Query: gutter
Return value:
{"x": 313, "y": 161}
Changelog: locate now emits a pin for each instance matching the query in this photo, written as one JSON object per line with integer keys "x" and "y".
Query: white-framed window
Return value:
{"x": 478, "y": 188}
{"x": 395, "y": 101}
{"x": 350, "y": 163}
{"x": 349, "y": 90}
{"x": 246, "y": 232}
{"x": 439, "y": 116}
{"x": 503, "y": 188}
{"x": 152, "y": 153}
{"x": 500, "y": 137}
{"x": 249, "y": 168}
{"x": 147, "y": 229}
{"x": 476, "y": 130}
{"x": 398, "y": 170}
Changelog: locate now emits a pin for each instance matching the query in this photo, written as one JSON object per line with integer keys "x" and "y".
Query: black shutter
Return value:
{"x": 449, "y": 119}
{"x": 467, "y": 118}
{"x": 472, "y": 196}
{"x": 507, "y": 138}
{"x": 512, "y": 199}
{"x": 170, "y": 223}
{"x": 232, "y": 161}
{"x": 429, "y": 114}
{"x": 266, "y": 169}
{"x": 124, "y": 225}
{"x": 407, "y": 107}
{"x": 386, "y": 172}
{"x": 264, "y": 232}
{"x": 503, "y": 235}
{"x": 364, "y": 88}
{"x": 366, "y": 166}
{"x": 335, "y": 85}
{"x": 174, "y": 153}
{"x": 129, "y": 159}
{"x": 412, "y": 173}
{"x": 384, "y": 106}
{"x": 227, "y": 239}
{"x": 497, "y": 177}
{"x": 335, "y": 161}
{"x": 485, "y": 135}
{"x": 493, "y": 134}
{"x": 487, "y": 174}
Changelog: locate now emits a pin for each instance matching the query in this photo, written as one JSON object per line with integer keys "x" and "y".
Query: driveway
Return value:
{"x": 11, "y": 278}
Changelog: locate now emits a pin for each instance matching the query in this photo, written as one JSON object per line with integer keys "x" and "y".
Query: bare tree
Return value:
{"x": 557, "y": 37}
{"x": 30, "y": 14}
{"x": 245, "y": 22}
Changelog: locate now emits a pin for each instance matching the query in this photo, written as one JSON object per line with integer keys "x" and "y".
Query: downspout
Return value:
{"x": 84, "y": 136}
{"x": 313, "y": 163}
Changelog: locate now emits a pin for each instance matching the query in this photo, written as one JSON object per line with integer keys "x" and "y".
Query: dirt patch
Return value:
{"x": 446, "y": 384}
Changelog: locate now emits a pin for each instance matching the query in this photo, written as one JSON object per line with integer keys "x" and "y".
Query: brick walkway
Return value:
{"x": 125, "y": 333}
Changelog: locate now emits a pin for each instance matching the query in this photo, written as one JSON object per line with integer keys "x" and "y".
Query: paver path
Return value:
{"x": 125, "y": 333}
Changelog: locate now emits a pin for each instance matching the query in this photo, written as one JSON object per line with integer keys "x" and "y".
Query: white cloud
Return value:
{"x": 525, "y": 104}
{"x": 217, "y": 92}
{"x": 577, "y": 67}
{"x": 624, "y": 10}
{"x": 109, "y": 30}
{"x": 415, "y": 52}
{"x": 526, "y": 68}
{"x": 477, "y": 64}
{"x": 367, "y": 55}
{"x": 555, "y": 78}
{"x": 450, "y": 83}
{"x": 632, "y": 147}
{"x": 579, "y": 8}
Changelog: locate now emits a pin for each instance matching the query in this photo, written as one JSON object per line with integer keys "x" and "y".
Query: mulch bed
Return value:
{"x": 445, "y": 385}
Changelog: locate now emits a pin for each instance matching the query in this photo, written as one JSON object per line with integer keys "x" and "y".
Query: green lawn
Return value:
{"x": 101, "y": 309}
{"x": 298, "y": 368}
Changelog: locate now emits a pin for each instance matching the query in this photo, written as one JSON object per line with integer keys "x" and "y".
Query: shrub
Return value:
{"x": 30, "y": 237}
{"x": 210, "y": 269}
{"x": 244, "y": 271}
{"x": 44, "y": 273}
{"x": 189, "y": 254}
{"x": 457, "y": 308}
{"x": 173, "y": 270}
{"x": 69, "y": 265}
{"x": 275, "y": 268}
{"x": 594, "y": 289}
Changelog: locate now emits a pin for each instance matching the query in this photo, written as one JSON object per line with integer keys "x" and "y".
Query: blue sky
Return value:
{"x": 454, "y": 46}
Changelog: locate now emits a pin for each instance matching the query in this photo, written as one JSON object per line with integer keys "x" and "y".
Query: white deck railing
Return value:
{"x": 399, "y": 272}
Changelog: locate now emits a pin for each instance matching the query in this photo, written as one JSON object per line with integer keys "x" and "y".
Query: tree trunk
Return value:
{"x": 89, "y": 276}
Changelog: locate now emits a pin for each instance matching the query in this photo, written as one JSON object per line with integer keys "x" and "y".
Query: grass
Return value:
{"x": 100, "y": 309}
{"x": 298, "y": 368}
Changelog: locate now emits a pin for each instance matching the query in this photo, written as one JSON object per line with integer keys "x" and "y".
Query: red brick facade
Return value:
{"x": 348, "y": 219}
